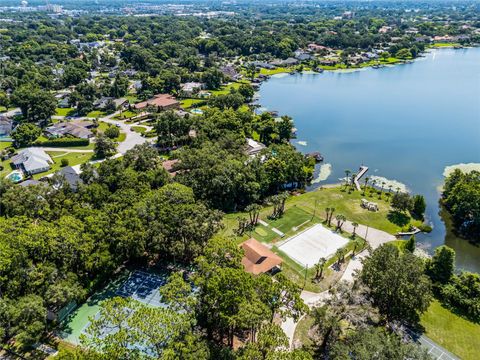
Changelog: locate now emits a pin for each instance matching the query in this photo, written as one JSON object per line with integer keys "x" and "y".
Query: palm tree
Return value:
{"x": 365, "y": 187}
{"x": 356, "y": 245}
{"x": 390, "y": 188}
{"x": 340, "y": 220}
{"x": 355, "y": 225}
{"x": 340, "y": 254}
{"x": 327, "y": 213}
{"x": 332, "y": 210}
{"x": 347, "y": 177}
{"x": 398, "y": 189}
{"x": 354, "y": 175}
{"x": 319, "y": 268}
{"x": 381, "y": 190}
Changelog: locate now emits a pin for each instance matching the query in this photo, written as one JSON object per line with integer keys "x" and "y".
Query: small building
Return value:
{"x": 6, "y": 126}
{"x": 32, "y": 161}
{"x": 258, "y": 258}
{"x": 160, "y": 101}
{"x": 169, "y": 165}
{"x": 254, "y": 147}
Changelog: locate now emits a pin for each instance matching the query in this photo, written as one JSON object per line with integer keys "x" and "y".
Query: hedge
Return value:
{"x": 61, "y": 142}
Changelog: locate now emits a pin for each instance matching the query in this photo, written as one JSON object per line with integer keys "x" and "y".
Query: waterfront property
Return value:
{"x": 397, "y": 120}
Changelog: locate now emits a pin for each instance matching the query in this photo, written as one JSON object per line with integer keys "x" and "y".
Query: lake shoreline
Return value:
{"x": 327, "y": 110}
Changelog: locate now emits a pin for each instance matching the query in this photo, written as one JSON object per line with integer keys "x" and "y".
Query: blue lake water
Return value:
{"x": 405, "y": 122}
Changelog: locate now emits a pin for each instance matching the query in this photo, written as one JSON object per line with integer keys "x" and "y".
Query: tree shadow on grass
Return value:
{"x": 398, "y": 218}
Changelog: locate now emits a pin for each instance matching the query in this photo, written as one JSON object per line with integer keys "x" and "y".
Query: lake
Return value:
{"x": 406, "y": 123}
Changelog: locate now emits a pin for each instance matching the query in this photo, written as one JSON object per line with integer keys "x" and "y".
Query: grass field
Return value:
{"x": 301, "y": 331}
{"x": 445, "y": 45}
{"x": 63, "y": 111}
{"x": 139, "y": 129}
{"x": 188, "y": 103}
{"x": 316, "y": 202}
{"x": 125, "y": 115}
{"x": 451, "y": 331}
{"x": 96, "y": 114}
{"x": 74, "y": 158}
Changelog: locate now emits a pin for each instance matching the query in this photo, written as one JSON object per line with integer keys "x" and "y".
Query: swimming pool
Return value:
{"x": 197, "y": 111}
{"x": 15, "y": 176}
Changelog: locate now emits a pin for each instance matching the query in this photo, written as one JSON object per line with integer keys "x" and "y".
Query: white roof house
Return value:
{"x": 190, "y": 87}
{"x": 32, "y": 160}
{"x": 254, "y": 147}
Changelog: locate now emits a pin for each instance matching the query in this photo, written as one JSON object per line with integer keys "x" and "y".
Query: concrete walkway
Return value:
{"x": 374, "y": 236}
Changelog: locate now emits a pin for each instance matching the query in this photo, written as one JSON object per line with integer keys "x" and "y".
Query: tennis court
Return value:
{"x": 139, "y": 285}
{"x": 143, "y": 287}
{"x": 307, "y": 247}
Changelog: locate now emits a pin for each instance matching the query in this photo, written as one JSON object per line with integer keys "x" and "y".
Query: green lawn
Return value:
{"x": 102, "y": 126}
{"x": 96, "y": 114}
{"x": 445, "y": 45}
{"x": 188, "y": 103}
{"x": 4, "y": 144}
{"x": 451, "y": 331}
{"x": 74, "y": 158}
{"x": 301, "y": 331}
{"x": 277, "y": 70}
{"x": 125, "y": 115}
{"x": 63, "y": 111}
{"x": 139, "y": 129}
{"x": 343, "y": 202}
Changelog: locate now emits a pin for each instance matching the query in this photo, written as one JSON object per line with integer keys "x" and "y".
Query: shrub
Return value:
{"x": 425, "y": 228}
{"x": 63, "y": 142}
{"x": 112, "y": 132}
{"x": 64, "y": 162}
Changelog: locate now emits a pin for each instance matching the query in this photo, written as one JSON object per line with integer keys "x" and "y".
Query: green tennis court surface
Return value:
{"x": 141, "y": 286}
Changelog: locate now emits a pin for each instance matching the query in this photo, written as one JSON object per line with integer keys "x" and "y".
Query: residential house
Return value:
{"x": 121, "y": 103}
{"x": 262, "y": 64}
{"x": 230, "y": 73}
{"x": 317, "y": 48}
{"x": 32, "y": 161}
{"x": 254, "y": 147}
{"x": 79, "y": 129}
{"x": 191, "y": 88}
{"x": 258, "y": 258}
{"x": 71, "y": 176}
{"x": 6, "y": 126}
{"x": 160, "y": 101}
{"x": 102, "y": 102}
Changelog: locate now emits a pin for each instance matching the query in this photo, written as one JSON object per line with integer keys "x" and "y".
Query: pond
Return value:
{"x": 406, "y": 123}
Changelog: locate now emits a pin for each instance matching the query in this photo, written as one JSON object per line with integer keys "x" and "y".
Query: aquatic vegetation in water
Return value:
{"x": 466, "y": 168}
{"x": 324, "y": 173}
{"x": 394, "y": 183}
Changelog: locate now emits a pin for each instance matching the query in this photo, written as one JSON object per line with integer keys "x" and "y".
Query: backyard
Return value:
{"x": 451, "y": 331}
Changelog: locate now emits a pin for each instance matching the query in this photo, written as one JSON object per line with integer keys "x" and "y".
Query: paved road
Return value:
{"x": 132, "y": 138}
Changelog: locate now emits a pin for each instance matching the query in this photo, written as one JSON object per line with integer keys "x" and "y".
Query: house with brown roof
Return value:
{"x": 258, "y": 258}
{"x": 160, "y": 101}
